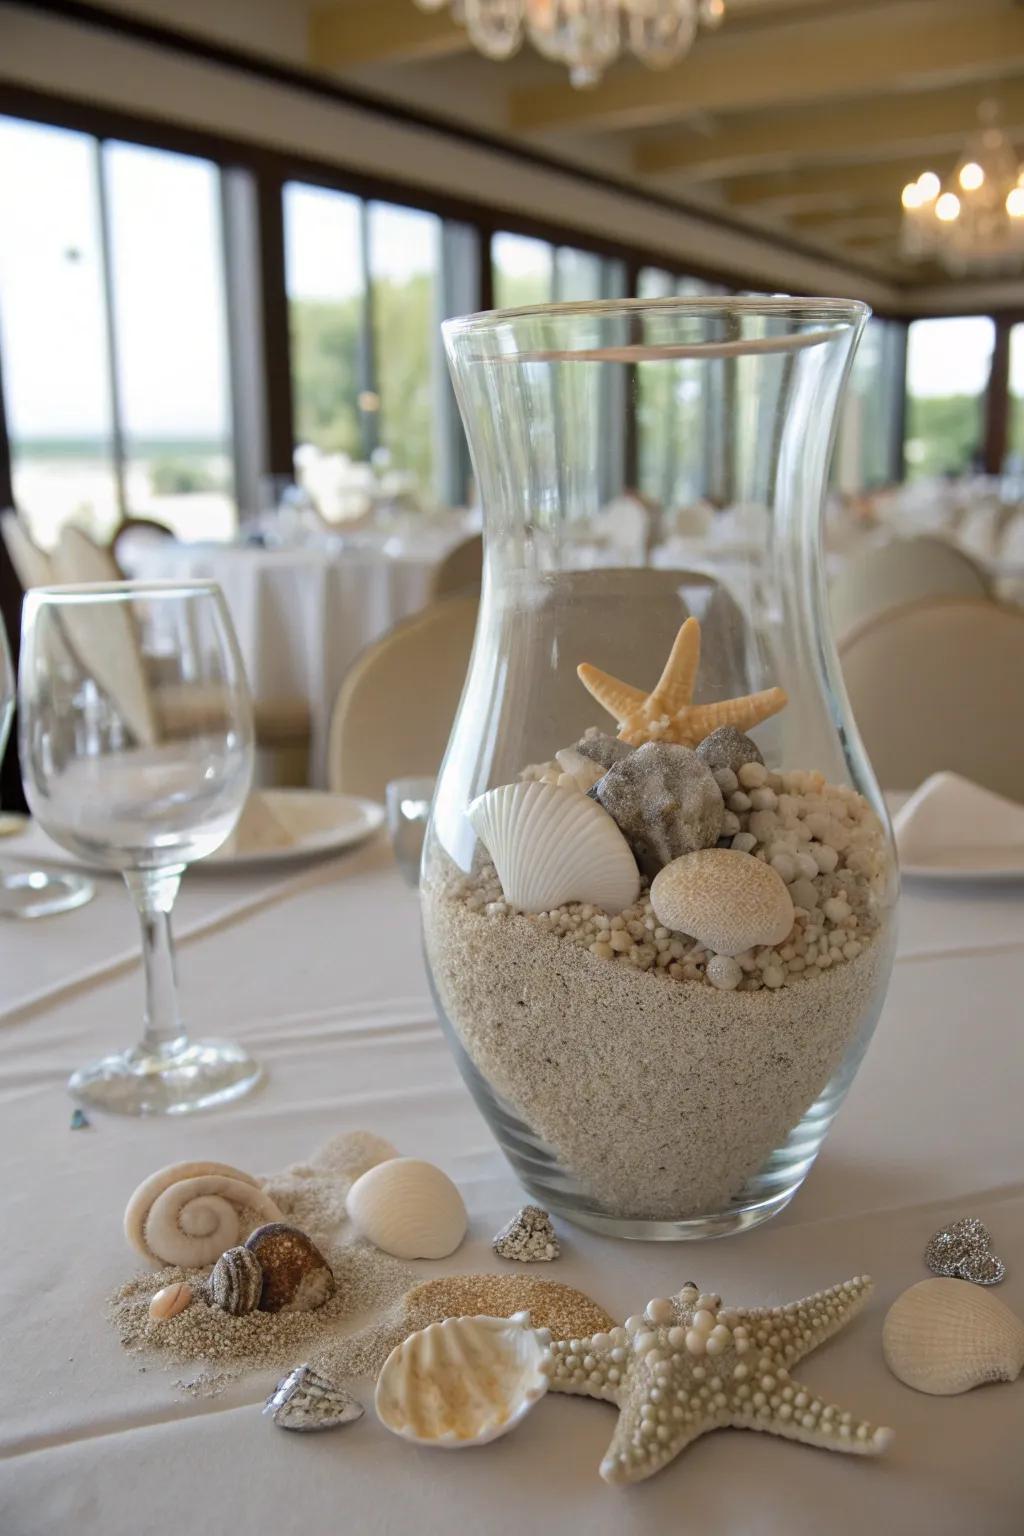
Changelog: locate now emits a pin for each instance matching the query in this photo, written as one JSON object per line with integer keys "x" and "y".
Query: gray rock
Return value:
{"x": 528, "y": 1237}
{"x": 728, "y": 748}
{"x": 603, "y": 750}
{"x": 665, "y": 801}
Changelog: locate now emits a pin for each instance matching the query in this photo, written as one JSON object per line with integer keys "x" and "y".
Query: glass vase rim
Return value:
{"x": 119, "y": 591}
{"x": 800, "y": 306}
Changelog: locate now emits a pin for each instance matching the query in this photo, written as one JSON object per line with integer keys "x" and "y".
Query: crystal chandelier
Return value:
{"x": 975, "y": 222}
{"x": 585, "y": 35}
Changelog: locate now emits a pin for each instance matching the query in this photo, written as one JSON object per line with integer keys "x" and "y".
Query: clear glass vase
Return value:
{"x": 658, "y": 898}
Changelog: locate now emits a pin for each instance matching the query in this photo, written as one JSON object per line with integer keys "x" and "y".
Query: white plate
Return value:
{"x": 318, "y": 822}
{"x": 954, "y": 830}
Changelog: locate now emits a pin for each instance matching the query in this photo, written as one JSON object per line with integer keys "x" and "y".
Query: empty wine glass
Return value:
{"x": 141, "y": 770}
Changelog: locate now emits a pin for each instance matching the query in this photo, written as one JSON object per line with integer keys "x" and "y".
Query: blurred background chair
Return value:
{"x": 462, "y": 569}
{"x": 396, "y": 706}
{"x": 899, "y": 572}
{"x": 32, "y": 565}
{"x": 282, "y": 725}
{"x": 939, "y": 685}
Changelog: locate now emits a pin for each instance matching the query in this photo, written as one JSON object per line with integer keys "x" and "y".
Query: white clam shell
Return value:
{"x": 552, "y": 846}
{"x": 946, "y": 1336}
{"x": 408, "y": 1208}
{"x": 727, "y": 900}
{"x": 463, "y": 1382}
{"x": 190, "y": 1213}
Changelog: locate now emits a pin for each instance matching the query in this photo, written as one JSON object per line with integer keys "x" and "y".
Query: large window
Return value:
{"x": 326, "y": 297}
{"x": 674, "y": 449}
{"x": 56, "y": 365}
{"x": 368, "y": 286}
{"x": 868, "y": 447}
{"x": 114, "y": 334}
{"x": 405, "y": 265}
{"x": 1015, "y": 421}
{"x": 948, "y": 364}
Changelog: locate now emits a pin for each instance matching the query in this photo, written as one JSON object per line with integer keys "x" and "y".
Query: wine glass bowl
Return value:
{"x": 136, "y": 739}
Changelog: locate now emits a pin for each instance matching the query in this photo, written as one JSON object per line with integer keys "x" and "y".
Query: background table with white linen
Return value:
{"x": 321, "y": 976}
{"x": 302, "y": 615}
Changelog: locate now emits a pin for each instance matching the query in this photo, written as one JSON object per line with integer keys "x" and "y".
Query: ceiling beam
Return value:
{"x": 803, "y": 61}
{"x": 926, "y": 121}
{"x": 342, "y": 36}
{"x": 838, "y": 182}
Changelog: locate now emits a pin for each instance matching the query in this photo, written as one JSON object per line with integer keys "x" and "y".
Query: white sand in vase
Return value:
{"x": 660, "y": 1097}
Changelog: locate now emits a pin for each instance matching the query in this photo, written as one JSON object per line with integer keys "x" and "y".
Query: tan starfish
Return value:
{"x": 689, "y": 1365}
{"x": 667, "y": 714}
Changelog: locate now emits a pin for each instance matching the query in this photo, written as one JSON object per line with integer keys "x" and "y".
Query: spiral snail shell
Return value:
{"x": 189, "y": 1213}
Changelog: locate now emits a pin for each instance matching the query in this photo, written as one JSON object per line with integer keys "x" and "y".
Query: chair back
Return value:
{"x": 395, "y": 710}
{"x": 937, "y": 685}
{"x": 903, "y": 571}
{"x": 462, "y": 568}
{"x": 397, "y": 704}
{"x": 32, "y": 565}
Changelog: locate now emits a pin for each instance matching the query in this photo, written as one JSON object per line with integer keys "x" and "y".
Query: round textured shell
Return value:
{"x": 551, "y": 846}
{"x": 463, "y": 1382}
{"x": 946, "y": 1336}
{"x": 190, "y": 1213}
{"x": 726, "y": 900}
{"x": 408, "y": 1208}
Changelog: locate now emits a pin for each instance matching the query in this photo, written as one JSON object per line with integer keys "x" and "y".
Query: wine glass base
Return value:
{"x": 28, "y": 893}
{"x": 194, "y": 1075}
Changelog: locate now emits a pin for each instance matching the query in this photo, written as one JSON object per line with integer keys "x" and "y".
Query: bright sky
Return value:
{"x": 952, "y": 357}
{"x": 322, "y": 242}
{"x": 169, "y": 309}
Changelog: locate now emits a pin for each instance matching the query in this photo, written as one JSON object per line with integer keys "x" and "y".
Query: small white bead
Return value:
{"x": 642, "y": 1342}
{"x": 703, "y": 1320}
{"x": 677, "y": 1337}
{"x": 660, "y": 1311}
{"x": 696, "y": 1341}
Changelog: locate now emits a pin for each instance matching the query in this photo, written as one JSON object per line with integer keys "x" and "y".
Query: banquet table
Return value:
{"x": 303, "y": 615}
{"x": 319, "y": 972}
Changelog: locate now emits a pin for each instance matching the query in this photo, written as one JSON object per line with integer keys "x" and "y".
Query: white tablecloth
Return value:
{"x": 325, "y": 982}
{"x": 302, "y": 616}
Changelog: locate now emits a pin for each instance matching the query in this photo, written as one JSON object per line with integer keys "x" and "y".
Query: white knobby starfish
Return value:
{"x": 688, "y": 1366}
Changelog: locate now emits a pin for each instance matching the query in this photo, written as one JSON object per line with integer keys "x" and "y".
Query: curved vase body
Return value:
{"x": 634, "y": 1086}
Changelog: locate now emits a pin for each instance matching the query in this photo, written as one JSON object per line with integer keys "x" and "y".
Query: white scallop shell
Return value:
{"x": 463, "y": 1382}
{"x": 726, "y": 900}
{"x": 946, "y": 1336}
{"x": 552, "y": 846}
{"x": 190, "y": 1213}
{"x": 408, "y": 1208}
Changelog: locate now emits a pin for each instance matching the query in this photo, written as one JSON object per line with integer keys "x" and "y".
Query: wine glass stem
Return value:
{"x": 153, "y": 892}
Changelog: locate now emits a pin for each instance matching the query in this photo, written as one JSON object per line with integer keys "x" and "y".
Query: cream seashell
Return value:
{"x": 188, "y": 1213}
{"x": 463, "y": 1382}
{"x": 551, "y": 846}
{"x": 946, "y": 1336}
{"x": 408, "y": 1208}
{"x": 726, "y": 900}
{"x": 170, "y": 1301}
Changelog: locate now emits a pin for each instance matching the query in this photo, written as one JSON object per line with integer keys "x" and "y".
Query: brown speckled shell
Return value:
{"x": 296, "y": 1276}
{"x": 236, "y": 1282}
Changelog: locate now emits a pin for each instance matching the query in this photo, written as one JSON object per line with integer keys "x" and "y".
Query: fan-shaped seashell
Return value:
{"x": 189, "y": 1213}
{"x": 167, "y": 1303}
{"x": 552, "y": 846}
{"x": 727, "y": 900}
{"x": 408, "y": 1208}
{"x": 947, "y": 1336}
{"x": 236, "y": 1282}
{"x": 463, "y": 1382}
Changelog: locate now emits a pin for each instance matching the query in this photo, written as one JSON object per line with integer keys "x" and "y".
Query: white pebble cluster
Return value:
{"x": 824, "y": 841}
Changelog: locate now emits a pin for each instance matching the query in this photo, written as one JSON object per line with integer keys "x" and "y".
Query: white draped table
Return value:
{"x": 321, "y": 975}
{"x": 301, "y": 615}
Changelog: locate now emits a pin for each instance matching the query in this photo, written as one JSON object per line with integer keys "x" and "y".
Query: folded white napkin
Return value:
{"x": 951, "y": 824}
